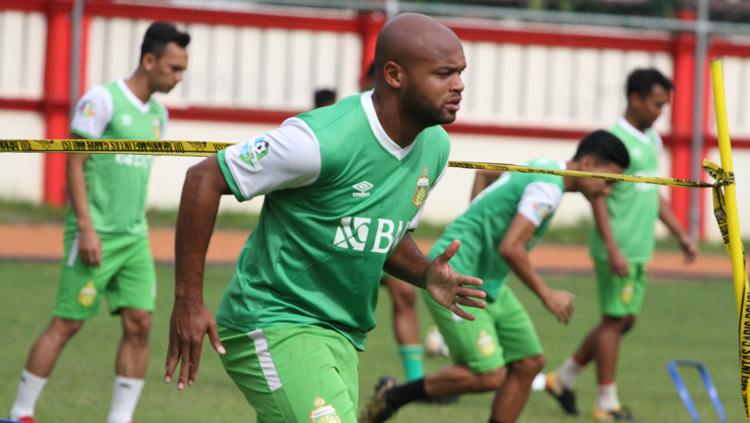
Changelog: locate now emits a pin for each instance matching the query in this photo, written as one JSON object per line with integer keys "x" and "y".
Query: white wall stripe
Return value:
{"x": 266, "y": 362}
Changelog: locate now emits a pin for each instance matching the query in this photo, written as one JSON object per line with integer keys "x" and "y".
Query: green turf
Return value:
{"x": 692, "y": 320}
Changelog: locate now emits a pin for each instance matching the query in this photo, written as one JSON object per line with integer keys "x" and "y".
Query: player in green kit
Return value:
{"x": 343, "y": 187}
{"x": 622, "y": 246}
{"x": 107, "y": 254}
{"x": 500, "y": 351}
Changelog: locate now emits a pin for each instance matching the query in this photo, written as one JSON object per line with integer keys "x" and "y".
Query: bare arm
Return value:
{"x": 439, "y": 279}
{"x": 618, "y": 264}
{"x": 89, "y": 244}
{"x": 512, "y": 249}
{"x": 689, "y": 249}
{"x": 191, "y": 319}
{"x": 483, "y": 179}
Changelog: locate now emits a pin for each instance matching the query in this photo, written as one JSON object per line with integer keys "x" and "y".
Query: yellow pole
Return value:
{"x": 735, "y": 248}
{"x": 725, "y": 150}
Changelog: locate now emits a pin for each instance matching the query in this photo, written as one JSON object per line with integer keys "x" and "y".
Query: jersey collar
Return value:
{"x": 388, "y": 144}
{"x": 135, "y": 101}
{"x": 632, "y": 130}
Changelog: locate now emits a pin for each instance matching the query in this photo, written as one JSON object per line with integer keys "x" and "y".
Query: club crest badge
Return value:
{"x": 323, "y": 413}
{"x": 420, "y": 192}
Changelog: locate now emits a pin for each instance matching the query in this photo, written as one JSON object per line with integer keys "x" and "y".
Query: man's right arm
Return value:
{"x": 89, "y": 244}
{"x": 191, "y": 319}
{"x": 92, "y": 115}
{"x": 618, "y": 264}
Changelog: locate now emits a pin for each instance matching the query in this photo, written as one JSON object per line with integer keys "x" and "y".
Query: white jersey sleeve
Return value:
{"x": 415, "y": 221}
{"x": 93, "y": 113}
{"x": 539, "y": 201}
{"x": 285, "y": 157}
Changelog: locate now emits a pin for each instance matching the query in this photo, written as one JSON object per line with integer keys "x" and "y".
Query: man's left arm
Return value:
{"x": 446, "y": 286}
{"x": 689, "y": 249}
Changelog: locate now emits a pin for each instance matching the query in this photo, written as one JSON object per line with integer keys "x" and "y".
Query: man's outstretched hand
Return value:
{"x": 449, "y": 288}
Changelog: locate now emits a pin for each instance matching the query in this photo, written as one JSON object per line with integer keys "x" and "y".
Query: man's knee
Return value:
{"x": 489, "y": 381}
{"x": 623, "y": 324}
{"x": 628, "y": 324}
{"x": 64, "y": 329}
{"x": 528, "y": 366}
{"x": 136, "y": 324}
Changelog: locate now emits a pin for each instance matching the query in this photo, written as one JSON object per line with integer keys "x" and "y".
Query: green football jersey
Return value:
{"x": 633, "y": 207}
{"x": 483, "y": 225}
{"x": 116, "y": 183}
{"x": 340, "y": 195}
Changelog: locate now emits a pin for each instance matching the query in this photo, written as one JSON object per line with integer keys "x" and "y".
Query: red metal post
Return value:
{"x": 683, "y": 60}
{"x": 370, "y": 24}
{"x": 56, "y": 96}
{"x": 56, "y": 101}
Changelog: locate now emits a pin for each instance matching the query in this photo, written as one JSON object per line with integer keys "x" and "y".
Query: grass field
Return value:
{"x": 693, "y": 320}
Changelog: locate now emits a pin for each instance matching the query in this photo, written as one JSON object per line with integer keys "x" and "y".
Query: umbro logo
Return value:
{"x": 361, "y": 189}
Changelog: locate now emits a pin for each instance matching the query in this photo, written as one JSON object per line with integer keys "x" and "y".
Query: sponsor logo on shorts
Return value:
{"x": 626, "y": 293}
{"x": 486, "y": 344}
{"x": 87, "y": 294}
{"x": 253, "y": 153}
{"x": 323, "y": 413}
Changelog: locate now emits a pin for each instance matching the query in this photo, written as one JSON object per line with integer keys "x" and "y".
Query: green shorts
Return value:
{"x": 620, "y": 296}
{"x": 126, "y": 277}
{"x": 294, "y": 373}
{"x": 502, "y": 333}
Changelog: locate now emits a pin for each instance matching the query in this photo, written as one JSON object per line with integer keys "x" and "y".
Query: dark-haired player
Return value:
{"x": 107, "y": 254}
{"x": 621, "y": 246}
{"x": 500, "y": 351}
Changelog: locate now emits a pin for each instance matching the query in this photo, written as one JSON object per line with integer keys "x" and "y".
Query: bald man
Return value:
{"x": 344, "y": 186}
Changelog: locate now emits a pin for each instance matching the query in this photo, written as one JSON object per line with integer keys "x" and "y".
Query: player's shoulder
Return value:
{"x": 325, "y": 117}
{"x": 544, "y": 177}
{"x": 102, "y": 92}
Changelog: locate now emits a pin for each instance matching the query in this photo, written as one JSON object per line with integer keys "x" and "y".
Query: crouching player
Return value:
{"x": 500, "y": 350}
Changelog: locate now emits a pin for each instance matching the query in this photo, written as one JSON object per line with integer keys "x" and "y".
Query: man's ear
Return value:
{"x": 394, "y": 74}
{"x": 587, "y": 162}
{"x": 149, "y": 61}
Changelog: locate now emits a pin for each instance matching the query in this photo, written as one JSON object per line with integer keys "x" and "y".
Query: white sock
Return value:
{"x": 606, "y": 398}
{"x": 568, "y": 373}
{"x": 124, "y": 399}
{"x": 29, "y": 389}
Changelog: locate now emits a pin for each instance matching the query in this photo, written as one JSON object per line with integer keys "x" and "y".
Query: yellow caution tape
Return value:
{"x": 207, "y": 148}
{"x": 93, "y": 146}
{"x": 581, "y": 174}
